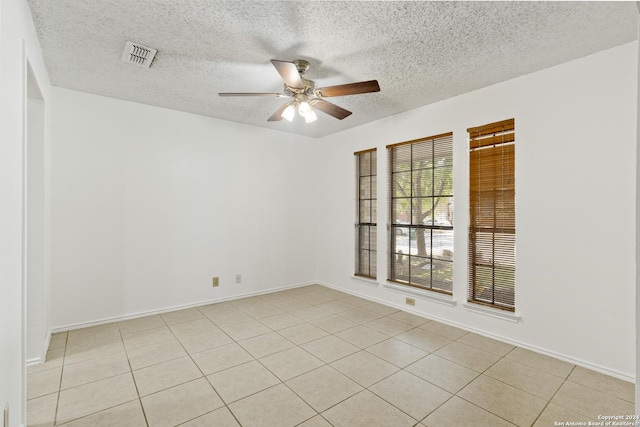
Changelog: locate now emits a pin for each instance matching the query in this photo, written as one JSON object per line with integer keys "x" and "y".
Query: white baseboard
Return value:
{"x": 546, "y": 352}
{"x": 47, "y": 341}
{"x": 35, "y": 361}
{"x": 103, "y": 321}
{"x": 39, "y": 360}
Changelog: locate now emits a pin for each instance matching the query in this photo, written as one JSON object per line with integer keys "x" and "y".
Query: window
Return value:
{"x": 421, "y": 213}
{"x": 492, "y": 225}
{"x": 366, "y": 222}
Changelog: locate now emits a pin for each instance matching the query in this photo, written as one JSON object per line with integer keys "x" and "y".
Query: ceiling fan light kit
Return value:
{"x": 289, "y": 112}
{"x": 306, "y": 96}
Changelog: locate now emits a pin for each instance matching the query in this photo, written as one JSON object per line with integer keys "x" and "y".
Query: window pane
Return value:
{"x": 400, "y": 267}
{"x": 365, "y": 211}
{"x": 374, "y": 162}
{"x": 442, "y": 181}
{"x": 401, "y": 158}
{"x": 365, "y": 164}
{"x": 423, "y": 210}
{"x": 421, "y": 271}
{"x": 504, "y": 253}
{"x": 442, "y": 244}
{"x": 442, "y": 275}
{"x": 363, "y": 258}
{"x": 422, "y": 181}
{"x": 364, "y": 237}
{"x": 422, "y": 155}
{"x": 373, "y": 237}
{"x": 374, "y": 211}
{"x": 443, "y": 211}
{"x": 400, "y": 211}
{"x": 505, "y": 280}
{"x": 483, "y": 284}
{"x": 483, "y": 248}
{"x": 401, "y": 184}
{"x": 443, "y": 152}
{"x": 373, "y": 262}
{"x": 413, "y": 240}
{"x": 365, "y": 187}
{"x": 400, "y": 240}
{"x": 401, "y": 231}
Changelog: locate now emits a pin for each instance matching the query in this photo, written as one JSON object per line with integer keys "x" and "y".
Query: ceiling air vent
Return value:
{"x": 135, "y": 53}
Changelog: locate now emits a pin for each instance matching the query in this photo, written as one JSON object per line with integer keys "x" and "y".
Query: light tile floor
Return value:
{"x": 309, "y": 356}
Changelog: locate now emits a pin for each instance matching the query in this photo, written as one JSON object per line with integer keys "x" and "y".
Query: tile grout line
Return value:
{"x": 411, "y": 373}
{"x": 482, "y": 373}
{"x": 328, "y": 364}
{"x": 199, "y": 369}
{"x": 133, "y": 377}
{"x": 91, "y": 382}
{"x": 55, "y": 413}
{"x": 485, "y": 410}
{"x": 364, "y": 349}
{"x": 276, "y": 376}
{"x": 308, "y": 322}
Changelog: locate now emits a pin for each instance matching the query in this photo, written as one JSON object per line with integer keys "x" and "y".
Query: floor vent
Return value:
{"x": 135, "y": 53}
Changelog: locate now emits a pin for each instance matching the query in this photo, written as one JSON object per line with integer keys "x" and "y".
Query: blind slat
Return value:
{"x": 492, "y": 140}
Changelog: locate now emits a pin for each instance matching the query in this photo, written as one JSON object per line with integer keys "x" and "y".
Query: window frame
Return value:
{"x": 371, "y": 246}
{"x": 419, "y": 228}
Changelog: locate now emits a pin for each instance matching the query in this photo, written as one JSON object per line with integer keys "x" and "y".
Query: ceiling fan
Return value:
{"x": 305, "y": 96}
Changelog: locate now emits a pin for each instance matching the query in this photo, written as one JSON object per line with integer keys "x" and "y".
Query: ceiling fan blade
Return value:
{"x": 277, "y": 95}
{"x": 289, "y": 73}
{"x": 331, "y": 109}
{"x": 277, "y": 116}
{"x": 351, "y": 88}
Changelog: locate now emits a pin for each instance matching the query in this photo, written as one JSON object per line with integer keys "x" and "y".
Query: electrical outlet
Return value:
{"x": 238, "y": 278}
{"x": 6, "y": 415}
{"x": 215, "y": 282}
{"x": 410, "y": 301}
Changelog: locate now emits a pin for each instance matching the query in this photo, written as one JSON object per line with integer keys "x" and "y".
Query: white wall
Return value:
{"x": 149, "y": 204}
{"x": 575, "y": 198}
{"x": 18, "y": 43}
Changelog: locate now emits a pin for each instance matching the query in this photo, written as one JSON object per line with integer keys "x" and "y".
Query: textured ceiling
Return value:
{"x": 420, "y": 52}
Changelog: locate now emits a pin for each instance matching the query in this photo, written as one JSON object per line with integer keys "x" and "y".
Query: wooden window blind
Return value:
{"x": 492, "y": 222}
{"x": 366, "y": 214}
{"x": 421, "y": 213}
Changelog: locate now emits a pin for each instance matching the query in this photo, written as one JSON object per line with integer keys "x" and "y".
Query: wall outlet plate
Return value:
{"x": 410, "y": 301}
{"x": 215, "y": 282}
{"x": 238, "y": 278}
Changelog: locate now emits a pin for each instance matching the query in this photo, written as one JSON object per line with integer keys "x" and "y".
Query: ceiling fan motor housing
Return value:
{"x": 309, "y": 89}
{"x": 301, "y": 65}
